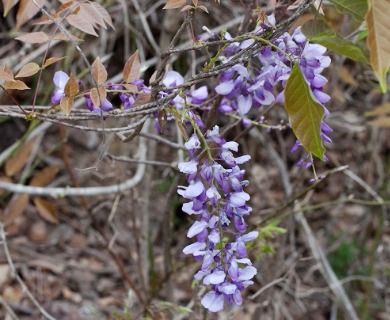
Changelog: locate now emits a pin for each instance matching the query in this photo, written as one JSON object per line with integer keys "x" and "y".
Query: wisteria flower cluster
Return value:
{"x": 217, "y": 197}
{"x": 215, "y": 190}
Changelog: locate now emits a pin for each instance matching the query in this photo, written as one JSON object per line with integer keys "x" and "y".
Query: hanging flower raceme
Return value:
{"x": 217, "y": 197}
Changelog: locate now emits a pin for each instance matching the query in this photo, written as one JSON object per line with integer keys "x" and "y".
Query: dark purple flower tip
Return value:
{"x": 56, "y": 96}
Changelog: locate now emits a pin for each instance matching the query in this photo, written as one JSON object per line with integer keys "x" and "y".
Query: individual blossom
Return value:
{"x": 60, "y": 79}
{"x": 216, "y": 196}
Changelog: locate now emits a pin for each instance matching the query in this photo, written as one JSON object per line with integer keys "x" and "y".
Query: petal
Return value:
{"x": 225, "y": 88}
{"x": 192, "y": 248}
{"x": 213, "y": 301}
{"x": 244, "y": 104}
{"x": 60, "y": 79}
{"x": 188, "y": 167}
{"x": 173, "y": 78}
{"x": 246, "y": 273}
{"x": 231, "y": 145}
{"x": 242, "y": 159}
{"x": 228, "y": 288}
{"x": 238, "y": 199}
{"x": 187, "y": 208}
{"x": 216, "y": 277}
{"x": 106, "y": 105}
{"x": 192, "y": 143}
{"x": 56, "y": 97}
{"x": 200, "y": 93}
{"x": 250, "y": 236}
{"x": 194, "y": 190}
{"x": 196, "y": 228}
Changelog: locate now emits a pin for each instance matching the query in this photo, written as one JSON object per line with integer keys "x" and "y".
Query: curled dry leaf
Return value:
{"x": 142, "y": 98}
{"x": 15, "y": 163}
{"x": 66, "y": 104}
{"x": 8, "y": 5}
{"x": 15, "y": 85}
{"x": 28, "y": 70}
{"x": 131, "y": 71}
{"x": 26, "y": 10}
{"x": 98, "y": 96}
{"x": 99, "y": 72}
{"x": 45, "y": 176}
{"x": 34, "y": 37}
{"x": 174, "y": 4}
{"x": 5, "y": 76}
{"x": 50, "y": 61}
{"x": 71, "y": 87}
{"x": 46, "y": 210}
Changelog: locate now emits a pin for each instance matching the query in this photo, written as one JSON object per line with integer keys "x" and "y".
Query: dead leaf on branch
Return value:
{"x": 16, "y": 163}
{"x": 28, "y": 70}
{"x": 66, "y": 104}
{"x": 26, "y": 10}
{"x": 45, "y": 176}
{"x": 174, "y": 4}
{"x": 72, "y": 87}
{"x": 5, "y": 76}
{"x": 50, "y": 61}
{"x": 34, "y": 37}
{"x": 99, "y": 72}
{"x": 98, "y": 96}
{"x": 131, "y": 71}
{"x": 15, "y": 85}
{"x": 8, "y": 5}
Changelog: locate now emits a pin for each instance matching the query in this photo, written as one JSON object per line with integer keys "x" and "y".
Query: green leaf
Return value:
{"x": 305, "y": 112}
{"x": 340, "y": 46}
{"x": 315, "y": 27}
{"x": 357, "y": 8}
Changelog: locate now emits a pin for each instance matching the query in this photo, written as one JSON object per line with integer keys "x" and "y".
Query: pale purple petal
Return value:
{"x": 194, "y": 189}
{"x": 196, "y": 228}
{"x": 56, "y": 97}
{"x": 60, "y": 79}
{"x": 213, "y": 301}
{"x": 242, "y": 159}
{"x": 246, "y": 273}
{"x": 225, "y": 88}
{"x": 200, "y": 93}
{"x": 188, "y": 167}
{"x": 238, "y": 199}
{"x": 192, "y": 143}
{"x": 244, "y": 104}
{"x": 187, "y": 208}
{"x": 192, "y": 248}
{"x": 231, "y": 145}
{"x": 216, "y": 277}
{"x": 173, "y": 78}
{"x": 228, "y": 288}
{"x": 250, "y": 236}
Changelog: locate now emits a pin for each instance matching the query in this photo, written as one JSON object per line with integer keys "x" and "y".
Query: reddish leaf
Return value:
{"x": 99, "y": 72}
{"x": 50, "y": 61}
{"x": 71, "y": 87}
{"x": 131, "y": 88}
{"x": 66, "y": 104}
{"x": 65, "y": 37}
{"x": 46, "y": 210}
{"x": 16, "y": 163}
{"x": 27, "y": 9}
{"x": 45, "y": 176}
{"x": 5, "y": 76}
{"x": 141, "y": 99}
{"x": 34, "y": 37}
{"x": 103, "y": 12}
{"x": 15, "y": 85}
{"x": 131, "y": 71}
{"x": 174, "y": 4}
{"x": 16, "y": 207}
{"x": 7, "y": 6}
{"x": 45, "y": 20}
{"x": 27, "y": 70}
{"x": 98, "y": 96}
{"x": 80, "y": 22}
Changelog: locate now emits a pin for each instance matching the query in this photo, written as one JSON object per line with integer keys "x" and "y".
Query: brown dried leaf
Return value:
{"x": 95, "y": 96}
{"x": 141, "y": 99}
{"x": 379, "y": 110}
{"x": 80, "y": 22}
{"x": 64, "y": 6}
{"x": 26, "y": 10}
{"x": 15, "y": 163}
{"x": 71, "y": 87}
{"x": 204, "y": 9}
{"x": 383, "y": 122}
{"x": 16, "y": 207}
{"x": 8, "y": 5}
{"x": 103, "y": 12}
{"x": 34, "y": 37}
{"x": 45, "y": 20}
{"x": 45, "y": 176}
{"x": 131, "y": 87}
{"x": 15, "y": 85}
{"x": 50, "y": 61}
{"x": 65, "y": 37}
{"x": 99, "y": 72}
{"x": 66, "y": 104}
{"x": 27, "y": 70}
{"x": 174, "y": 4}
{"x": 5, "y": 76}
{"x": 131, "y": 71}
{"x": 94, "y": 14}
{"x": 46, "y": 210}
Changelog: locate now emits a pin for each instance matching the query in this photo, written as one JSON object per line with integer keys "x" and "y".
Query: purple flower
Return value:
{"x": 60, "y": 79}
